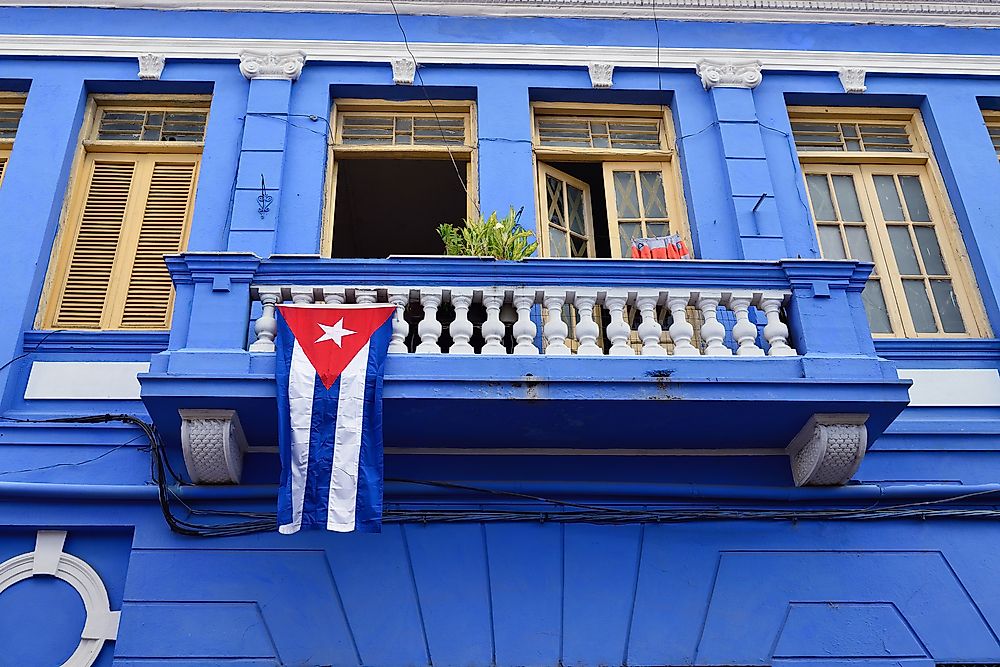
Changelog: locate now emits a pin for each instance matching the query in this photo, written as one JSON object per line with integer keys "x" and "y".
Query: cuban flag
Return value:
{"x": 330, "y": 361}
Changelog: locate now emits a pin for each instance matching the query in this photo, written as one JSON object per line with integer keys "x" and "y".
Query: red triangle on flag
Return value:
{"x": 332, "y": 335}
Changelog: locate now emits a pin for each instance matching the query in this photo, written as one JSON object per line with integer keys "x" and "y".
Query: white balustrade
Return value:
{"x": 496, "y": 320}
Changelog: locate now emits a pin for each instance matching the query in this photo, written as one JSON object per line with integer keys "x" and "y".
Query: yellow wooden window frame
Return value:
{"x": 339, "y": 151}
{"x": 863, "y": 167}
{"x": 8, "y": 102}
{"x": 611, "y": 159}
{"x": 127, "y": 259}
{"x": 992, "y": 119}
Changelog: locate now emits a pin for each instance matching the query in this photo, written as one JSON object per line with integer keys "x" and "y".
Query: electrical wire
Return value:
{"x": 430, "y": 103}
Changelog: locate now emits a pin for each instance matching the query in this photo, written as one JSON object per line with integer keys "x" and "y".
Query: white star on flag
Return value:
{"x": 335, "y": 333}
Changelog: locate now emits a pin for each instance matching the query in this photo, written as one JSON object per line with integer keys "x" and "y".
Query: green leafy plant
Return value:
{"x": 503, "y": 238}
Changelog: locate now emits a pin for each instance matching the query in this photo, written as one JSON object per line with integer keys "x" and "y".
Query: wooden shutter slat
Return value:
{"x": 162, "y": 231}
{"x": 92, "y": 260}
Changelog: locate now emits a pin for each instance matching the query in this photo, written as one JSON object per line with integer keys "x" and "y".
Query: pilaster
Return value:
{"x": 730, "y": 87}
{"x": 254, "y": 218}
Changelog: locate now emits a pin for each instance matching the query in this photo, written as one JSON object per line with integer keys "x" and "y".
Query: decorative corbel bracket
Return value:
{"x": 729, "y": 73}
{"x": 601, "y": 74}
{"x": 403, "y": 71}
{"x": 852, "y": 79}
{"x": 272, "y": 64}
{"x": 151, "y": 66}
{"x": 213, "y": 445}
{"x": 828, "y": 449}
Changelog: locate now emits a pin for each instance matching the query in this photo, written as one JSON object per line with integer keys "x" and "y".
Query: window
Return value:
{"x": 875, "y": 196}
{"x": 398, "y": 170}
{"x": 993, "y": 125}
{"x": 11, "y": 107}
{"x": 605, "y": 177}
{"x": 130, "y": 204}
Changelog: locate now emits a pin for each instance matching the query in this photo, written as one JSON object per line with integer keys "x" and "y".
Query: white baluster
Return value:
{"x": 586, "y": 328}
{"x": 524, "y": 329}
{"x": 649, "y": 329}
{"x": 493, "y": 328}
{"x": 555, "y": 330}
{"x": 429, "y": 328}
{"x": 681, "y": 331}
{"x": 618, "y": 329}
{"x": 775, "y": 331}
{"x": 266, "y": 326}
{"x": 365, "y": 296}
{"x": 302, "y": 295}
{"x": 713, "y": 332}
{"x": 461, "y": 328}
{"x": 333, "y": 297}
{"x": 400, "y": 328}
{"x": 744, "y": 331}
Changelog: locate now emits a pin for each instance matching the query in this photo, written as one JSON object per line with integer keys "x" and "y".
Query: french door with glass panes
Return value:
{"x": 637, "y": 196}
{"x": 888, "y": 215}
{"x": 566, "y": 210}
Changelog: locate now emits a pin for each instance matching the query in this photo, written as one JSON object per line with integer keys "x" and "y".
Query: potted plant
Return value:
{"x": 502, "y": 238}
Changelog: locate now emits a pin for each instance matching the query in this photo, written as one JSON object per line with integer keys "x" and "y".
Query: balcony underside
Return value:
{"x": 448, "y": 401}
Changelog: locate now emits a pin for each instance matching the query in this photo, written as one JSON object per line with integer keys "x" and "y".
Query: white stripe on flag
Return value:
{"x": 343, "y": 501}
{"x": 301, "y": 385}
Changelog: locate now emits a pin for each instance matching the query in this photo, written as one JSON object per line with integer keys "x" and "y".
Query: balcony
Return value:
{"x": 547, "y": 354}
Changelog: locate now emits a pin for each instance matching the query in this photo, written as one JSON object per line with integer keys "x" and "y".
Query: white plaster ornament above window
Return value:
{"x": 272, "y": 64}
{"x": 853, "y": 79}
{"x": 729, "y": 73}
{"x": 403, "y": 71}
{"x": 151, "y": 66}
{"x": 601, "y": 74}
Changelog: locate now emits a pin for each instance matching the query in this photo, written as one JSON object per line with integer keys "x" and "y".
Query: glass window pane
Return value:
{"x": 902, "y": 248}
{"x": 888, "y": 198}
{"x": 653, "y": 199}
{"x": 657, "y": 229}
{"x": 576, "y": 209}
{"x": 930, "y": 251}
{"x": 878, "y": 314}
{"x": 847, "y": 199}
{"x": 579, "y": 246}
{"x": 916, "y": 203}
{"x": 554, "y": 197}
{"x": 819, "y": 193}
{"x": 626, "y": 194}
{"x": 857, "y": 241}
{"x": 947, "y": 305}
{"x": 920, "y": 307}
{"x": 557, "y": 243}
{"x": 626, "y": 232}
{"x": 830, "y": 242}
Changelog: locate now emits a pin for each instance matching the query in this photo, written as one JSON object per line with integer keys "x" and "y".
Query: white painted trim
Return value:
{"x": 84, "y": 380}
{"x": 97, "y": 46}
{"x": 960, "y": 387}
{"x": 980, "y": 13}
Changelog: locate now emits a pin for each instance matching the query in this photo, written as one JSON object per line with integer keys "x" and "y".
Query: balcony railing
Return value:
{"x": 559, "y": 321}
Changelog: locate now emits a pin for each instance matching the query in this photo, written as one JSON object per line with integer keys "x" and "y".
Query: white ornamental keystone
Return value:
{"x": 729, "y": 73}
{"x": 601, "y": 74}
{"x": 852, "y": 79}
{"x": 272, "y": 64}
{"x": 151, "y": 66}
{"x": 403, "y": 71}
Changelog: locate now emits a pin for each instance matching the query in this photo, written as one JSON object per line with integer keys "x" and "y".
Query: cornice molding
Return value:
{"x": 195, "y": 48}
{"x": 979, "y": 13}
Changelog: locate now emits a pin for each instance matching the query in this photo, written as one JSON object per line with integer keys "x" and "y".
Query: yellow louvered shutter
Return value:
{"x": 94, "y": 248}
{"x": 162, "y": 232}
{"x": 3, "y": 163}
{"x": 135, "y": 209}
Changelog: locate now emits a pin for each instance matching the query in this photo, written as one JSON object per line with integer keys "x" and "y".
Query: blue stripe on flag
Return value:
{"x": 370, "y": 466}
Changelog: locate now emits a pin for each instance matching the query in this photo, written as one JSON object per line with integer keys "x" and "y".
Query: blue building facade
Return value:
{"x": 779, "y": 450}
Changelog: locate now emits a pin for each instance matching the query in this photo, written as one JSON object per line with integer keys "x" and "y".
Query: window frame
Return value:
{"x": 921, "y": 163}
{"x": 619, "y": 157}
{"x": 88, "y": 151}
{"x": 338, "y": 151}
{"x": 992, "y": 120}
{"x": 9, "y": 102}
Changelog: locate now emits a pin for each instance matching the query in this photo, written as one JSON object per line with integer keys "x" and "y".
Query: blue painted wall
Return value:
{"x": 893, "y": 592}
